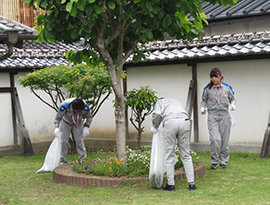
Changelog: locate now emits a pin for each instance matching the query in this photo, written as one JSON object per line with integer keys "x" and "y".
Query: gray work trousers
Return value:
{"x": 219, "y": 126}
{"x": 77, "y": 130}
{"x": 180, "y": 129}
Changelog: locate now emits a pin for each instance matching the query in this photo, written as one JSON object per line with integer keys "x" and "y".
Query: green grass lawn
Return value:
{"x": 245, "y": 181}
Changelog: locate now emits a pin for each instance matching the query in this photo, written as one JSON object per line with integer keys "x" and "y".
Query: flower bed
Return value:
{"x": 66, "y": 174}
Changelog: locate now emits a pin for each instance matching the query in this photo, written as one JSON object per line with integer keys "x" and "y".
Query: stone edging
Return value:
{"x": 101, "y": 181}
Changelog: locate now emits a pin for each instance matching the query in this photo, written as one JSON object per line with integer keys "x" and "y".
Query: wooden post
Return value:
{"x": 190, "y": 98}
{"x": 192, "y": 102}
{"x": 26, "y": 145}
{"x": 14, "y": 121}
{"x": 266, "y": 141}
{"x": 195, "y": 104}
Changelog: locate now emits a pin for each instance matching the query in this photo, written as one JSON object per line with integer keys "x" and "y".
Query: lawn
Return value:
{"x": 245, "y": 181}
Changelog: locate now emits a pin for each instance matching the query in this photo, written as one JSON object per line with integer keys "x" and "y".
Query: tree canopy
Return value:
{"x": 90, "y": 83}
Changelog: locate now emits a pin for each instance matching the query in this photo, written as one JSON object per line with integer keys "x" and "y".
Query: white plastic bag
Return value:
{"x": 157, "y": 163}
{"x": 233, "y": 122}
{"x": 53, "y": 155}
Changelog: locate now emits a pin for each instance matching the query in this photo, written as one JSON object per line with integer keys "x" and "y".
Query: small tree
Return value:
{"x": 61, "y": 82}
{"x": 141, "y": 102}
{"x": 91, "y": 83}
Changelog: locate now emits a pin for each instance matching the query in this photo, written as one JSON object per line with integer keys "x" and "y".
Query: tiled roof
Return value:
{"x": 32, "y": 55}
{"x": 244, "y": 44}
{"x": 35, "y": 55}
{"x": 243, "y": 8}
{"x": 23, "y": 31}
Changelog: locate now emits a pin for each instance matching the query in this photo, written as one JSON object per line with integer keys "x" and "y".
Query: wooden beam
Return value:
{"x": 190, "y": 98}
{"x": 25, "y": 141}
{"x": 266, "y": 141}
{"x": 195, "y": 104}
{"x": 14, "y": 120}
{"x": 192, "y": 102}
{"x": 5, "y": 90}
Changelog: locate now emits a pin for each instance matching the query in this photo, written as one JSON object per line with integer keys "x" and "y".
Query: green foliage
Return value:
{"x": 138, "y": 21}
{"x": 141, "y": 102}
{"x": 90, "y": 83}
{"x": 137, "y": 163}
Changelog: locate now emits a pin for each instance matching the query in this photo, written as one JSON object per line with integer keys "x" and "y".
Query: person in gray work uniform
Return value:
{"x": 217, "y": 97}
{"x": 71, "y": 116}
{"x": 176, "y": 125}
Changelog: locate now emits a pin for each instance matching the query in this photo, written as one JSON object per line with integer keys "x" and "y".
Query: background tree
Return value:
{"x": 113, "y": 28}
{"x": 90, "y": 83}
{"x": 141, "y": 101}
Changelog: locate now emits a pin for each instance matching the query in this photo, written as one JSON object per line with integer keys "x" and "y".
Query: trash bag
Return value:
{"x": 157, "y": 161}
{"x": 53, "y": 155}
{"x": 233, "y": 122}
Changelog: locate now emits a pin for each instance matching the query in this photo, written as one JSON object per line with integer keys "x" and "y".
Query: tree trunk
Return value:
{"x": 139, "y": 136}
{"x": 120, "y": 128}
{"x": 120, "y": 104}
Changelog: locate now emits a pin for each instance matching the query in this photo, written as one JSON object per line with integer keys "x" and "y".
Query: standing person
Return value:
{"x": 176, "y": 125}
{"x": 216, "y": 98}
{"x": 70, "y": 117}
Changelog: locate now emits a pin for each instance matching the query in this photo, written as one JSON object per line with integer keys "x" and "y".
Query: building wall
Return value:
{"x": 39, "y": 117}
{"x": 167, "y": 81}
{"x": 19, "y": 11}
{"x": 253, "y": 25}
{"x": 248, "y": 78}
{"x": 6, "y": 137}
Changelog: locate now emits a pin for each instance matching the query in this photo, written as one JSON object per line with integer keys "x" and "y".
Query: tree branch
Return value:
{"x": 42, "y": 99}
{"x": 101, "y": 103}
{"x": 131, "y": 120}
{"x": 105, "y": 19}
{"x": 120, "y": 27}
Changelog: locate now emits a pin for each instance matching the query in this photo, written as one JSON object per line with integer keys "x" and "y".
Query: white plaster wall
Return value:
{"x": 168, "y": 81}
{"x": 38, "y": 117}
{"x": 249, "y": 81}
{"x": 103, "y": 124}
{"x": 248, "y": 78}
{"x": 237, "y": 27}
{"x": 6, "y": 136}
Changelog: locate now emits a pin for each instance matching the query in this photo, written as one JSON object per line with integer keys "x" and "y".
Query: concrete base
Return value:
{"x": 205, "y": 147}
{"x": 110, "y": 144}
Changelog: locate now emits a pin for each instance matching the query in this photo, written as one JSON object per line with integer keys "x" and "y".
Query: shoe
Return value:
{"x": 191, "y": 187}
{"x": 81, "y": 159}
{"x": 213, "y": 166}
{"x": 168, "y": 187}
{"x": 223, "y": 166}
{"x": 62, "y": 163}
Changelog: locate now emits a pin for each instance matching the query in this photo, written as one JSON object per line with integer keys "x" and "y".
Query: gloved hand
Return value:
{"x": 85, "y": 131}
{"x": 56, "y": 132}
{"x": 233, "y": 107}
{"x": 154, "y": 130}
{"x": 203, "y": 110}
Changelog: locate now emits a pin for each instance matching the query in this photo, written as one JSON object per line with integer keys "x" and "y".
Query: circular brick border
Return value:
{"x": 102, "y": 181}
